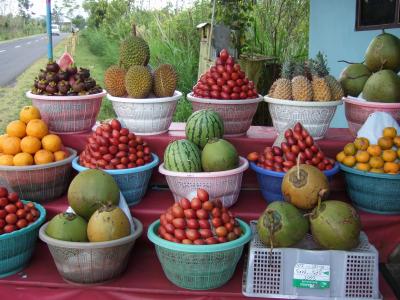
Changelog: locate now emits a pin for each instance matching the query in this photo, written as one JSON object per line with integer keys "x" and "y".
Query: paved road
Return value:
{"x": 16, "y": 56}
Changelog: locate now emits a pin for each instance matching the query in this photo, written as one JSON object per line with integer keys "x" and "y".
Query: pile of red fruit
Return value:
{"x": 200, "y": 222}
{"x": 298, "y": 145}
{"x": 112, "y": 147}
{"x": 14, "y": 214}
{"x": 225, "y": 81}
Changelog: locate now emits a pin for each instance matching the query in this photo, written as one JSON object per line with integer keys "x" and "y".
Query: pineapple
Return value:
{"x": 320, "y": 86}
{"x": 335, "y": 87}
{"x": 282, "y": 88}
{"x": 272, "y": 88}
{"x": 301, "y": 86}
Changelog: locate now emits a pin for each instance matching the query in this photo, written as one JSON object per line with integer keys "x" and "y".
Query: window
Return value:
{"x": 377, "y": 14}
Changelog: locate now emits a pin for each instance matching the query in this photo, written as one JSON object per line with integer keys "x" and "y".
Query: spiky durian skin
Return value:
{"x": 138, "y": 82}
{"x": 336, "y": 88}
{"x": 283, "y": 89}
{"x": 302, "y": 89}
{"x": 165, "y": 79}
{"x": 321, "y": 90}
{"x": 134, "y": 51}
{"x": 114, "y": 80}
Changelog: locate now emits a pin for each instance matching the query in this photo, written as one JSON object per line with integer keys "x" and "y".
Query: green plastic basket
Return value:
{"x": 199, "y": 267}
{"x": 16, "y": 248}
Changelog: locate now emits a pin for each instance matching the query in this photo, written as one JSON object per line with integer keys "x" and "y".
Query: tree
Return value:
{"x": 97, "y": 10}
{"x": 79, "y": 21}
{"x": 68, "y": 8}
{"x": 24, "y": 7}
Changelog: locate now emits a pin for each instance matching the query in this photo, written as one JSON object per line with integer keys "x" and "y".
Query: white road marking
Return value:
{"x": 18, "y": 46}
{"x": 28, "y": 43}
{"x": 3, "y": 51}
{"x": 36, "y": 41}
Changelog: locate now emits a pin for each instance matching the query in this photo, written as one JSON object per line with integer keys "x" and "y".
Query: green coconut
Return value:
{"x": 219, "y": 155}
{"x": 382, "y": 86}
{"x": 353, "y": 79}
{"x": 67, "y": 227}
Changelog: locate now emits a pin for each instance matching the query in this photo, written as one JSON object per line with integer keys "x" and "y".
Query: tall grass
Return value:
{"x": 15, "y": 26}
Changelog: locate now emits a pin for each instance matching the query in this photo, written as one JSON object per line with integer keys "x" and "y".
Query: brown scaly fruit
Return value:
{"x": 165, "y": 79}
{"x": 321, "y": 89}
{"x": 114, "y": 80}
{"x": 138, "y": 82}
{"x": 334, "y": 85}
{"x": 272, "y": 88}
{"x": 301, "y": 86}
{"x": 283, "y": 88}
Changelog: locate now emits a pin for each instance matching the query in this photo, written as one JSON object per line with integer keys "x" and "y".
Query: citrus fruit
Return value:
{"x": 376, "y": 162}
{"x": 385, "y": 142}
{"x": 51, "y": 142}
{"x": 43, "y": 157}
{"x": 349, "y": 161}
{"x": 37, "y": 128}
{"x": 6, "y": 160}
{"x": 362, "y": 156}
{"x": 11, "y": 145}
{"x": 350, "y": 149}
{"x": 30, "y": 144}
{"x": 374, "y": 150}
{"x": 363, "y": 166}
{"x": 361, "y": 143}
{"x": 23, "y": 159}
{"x": 60, "y": 155}
{"x": 340, "y": 156}
{"x": 398, "y": 153}
{"x": 2, "y": 137}
{"x": 391, "y": 167}
{"x": 389, "y": 155}
{"x": 16, "y": 128}
{"x": 396, "y": 141}
{"x": 390, "y": 132}
{"x": 376, "y": 170}
{"x": 28, "y": 113}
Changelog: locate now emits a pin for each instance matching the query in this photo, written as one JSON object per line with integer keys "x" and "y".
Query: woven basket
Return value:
{"x": 314, "y": 116}
{"x": 373, "y": 192}
{"x": 16, "y": 248}
{"x": 91, "y": 263}
{"x": 199, "y": 267}
{"x": 39, "y": 183}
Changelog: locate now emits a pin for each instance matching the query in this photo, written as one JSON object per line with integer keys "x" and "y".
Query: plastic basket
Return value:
{"x": 270, "y": 182}
{"x": 16, "y": 248}
{"x": 373, "y": 192}
{"x": 68, "y": 114}
{"x": 236, "y": 114}
{"x": 91, "y": 263}
{"x": 199, "y": 267}
{"x": 132, "y": 182}
{"x": 314, "y": 116}
{"x": 39, "y": 183}
{"x": 147, "y": 116}
{"x": 269, "y": 273}
{"x": 223, "y": 184}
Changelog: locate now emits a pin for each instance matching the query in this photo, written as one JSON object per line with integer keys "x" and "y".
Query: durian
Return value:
{"x": 164, "y": 81}
{"x": 138, "y": 82}
{"x": 114, "y": 80}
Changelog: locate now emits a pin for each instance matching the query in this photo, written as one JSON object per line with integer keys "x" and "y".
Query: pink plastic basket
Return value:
{"x": 224, "y": 184}
{"x": 68, "y": 114}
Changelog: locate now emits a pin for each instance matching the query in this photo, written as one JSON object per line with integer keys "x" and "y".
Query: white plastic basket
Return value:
{"x": 269, "y": 274}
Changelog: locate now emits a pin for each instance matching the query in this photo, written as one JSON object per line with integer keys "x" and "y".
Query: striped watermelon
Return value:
{"x": 182, "y": 156}
{"x": 204, "y": 125}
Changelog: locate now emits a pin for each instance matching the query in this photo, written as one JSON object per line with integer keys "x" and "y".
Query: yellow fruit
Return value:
{"x": 43, "y": 157}
{"x": 385, "y": 143}
{"x": 30, "y": 144}
{"x": 28, "y": 113}
{"x": 362, "y": 156}
{"x": 390, "y": 132}
{"x": 37, "y": 128}
{"x": 16, "y": 128}
{"x": 23, "y": 159}
{"x": 6, "y": 160}
{"x": 391, "y": 167}
{"x": 361, "y": 143}
{"x": 60, "y": 155}
{"x": 374, "y": 150}
{"x": 11, "y": 145}
{"x": 396, "y": 141}
{"x": 389, "y": 155}
{"x": 376, "y": 170}
{"x": 376, "y": 162}
{"x": 2, "y": 137}
{"x": 340, "y": 156}
{"x": 363, "y": 167}
{"x": 51, "y": 142}
{"x": 350, "y": 149}
{"x": 349, "y": 161}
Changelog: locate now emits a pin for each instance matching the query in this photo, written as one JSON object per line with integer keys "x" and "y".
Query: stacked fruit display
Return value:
{"x": 225, "y": 80}
{"x": 377, "y": 77}
{"x": 200, "y": 221}
{"x": 306, "y": 81}
{"x": 298, "y": 144}
{"x": 14, "y": 214}
{"x": 383, "y": 157}
{"x": 27, "y": 141}
{"x": 134, "y": 78}
{"x": 112, "y": 147}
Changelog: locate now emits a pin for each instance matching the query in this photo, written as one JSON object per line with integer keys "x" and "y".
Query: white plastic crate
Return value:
{"x": 269, "y": 274}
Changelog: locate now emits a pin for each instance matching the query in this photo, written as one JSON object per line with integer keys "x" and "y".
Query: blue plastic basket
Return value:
{"x": 373, "y": 192}
{"x": 16, "y": 248}
{"x": 132, "y": 182}
{"x": 270, "y": 181}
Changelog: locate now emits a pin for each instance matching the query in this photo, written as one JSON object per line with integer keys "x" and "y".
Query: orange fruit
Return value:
{"x": 362, "y": 156}
{"x": 396, "y": 141}
{"x": 389, "y": 155}
{"x": 51, "y": 142}
{"x": 2, "y": 137}
{"x": 28, "y": 113}
{"x": 340, "y": 156}
{"x": 349, "y": 161}
{"x": 363, "y": 167}
{"x": 16, "y": 128}
{"x": 37, "y": 128}
{"x": 390, "y": 132}
{"x": 350, "y": 149}
{"x": 30, "y": 144}
{"x": 398, "y": 153}
{"x": 23, "y": 159}
{"x": 376, "y": 162}
{"x": 6, "y": 160}
{"x": 361, "y": 143}
{"x": 385, "y": 143}
{"x": 391, "y": 167}
{"x": 60, "y": 155}
{"x": 374, "y": 150}
{"x": 43, "y": 157}
{"x": 376, "y": 170}
{"x": 11, "y": 145}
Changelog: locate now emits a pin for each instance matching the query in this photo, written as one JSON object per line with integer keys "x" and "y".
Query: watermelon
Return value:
{"x": 182, "y": 156}
{"x": 204, "y": 125}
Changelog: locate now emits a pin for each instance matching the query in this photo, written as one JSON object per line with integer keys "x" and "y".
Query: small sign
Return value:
{"x": 311, "y": 276}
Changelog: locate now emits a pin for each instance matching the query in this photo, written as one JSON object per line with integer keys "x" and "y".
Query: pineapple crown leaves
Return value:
{"x": 299, "y": 69}
{"x": 287, "y": 69}
{"x": 319, "y": 65}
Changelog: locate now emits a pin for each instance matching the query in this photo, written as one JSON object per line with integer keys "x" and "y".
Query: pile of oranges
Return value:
{"x": 27, "y": 141}
{"x": 381, "y": 158}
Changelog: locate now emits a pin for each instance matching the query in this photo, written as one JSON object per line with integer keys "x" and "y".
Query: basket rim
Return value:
{"x": 243, "y": 166}
{"x": 30, "y": 227}
{"x": 371, "y": 104}
{"x": 91, "y": 245}
{"x": 192, "y": 98}
{"x": 302, "y": 103}
{"x": 68, "y": 160}
{"x": 347, "y": 169}
{"x": 145, "y": 167}
{"x": 175, "y": 97}
{"x": 30, "y": 95}
{"x": 155, "y": 239}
